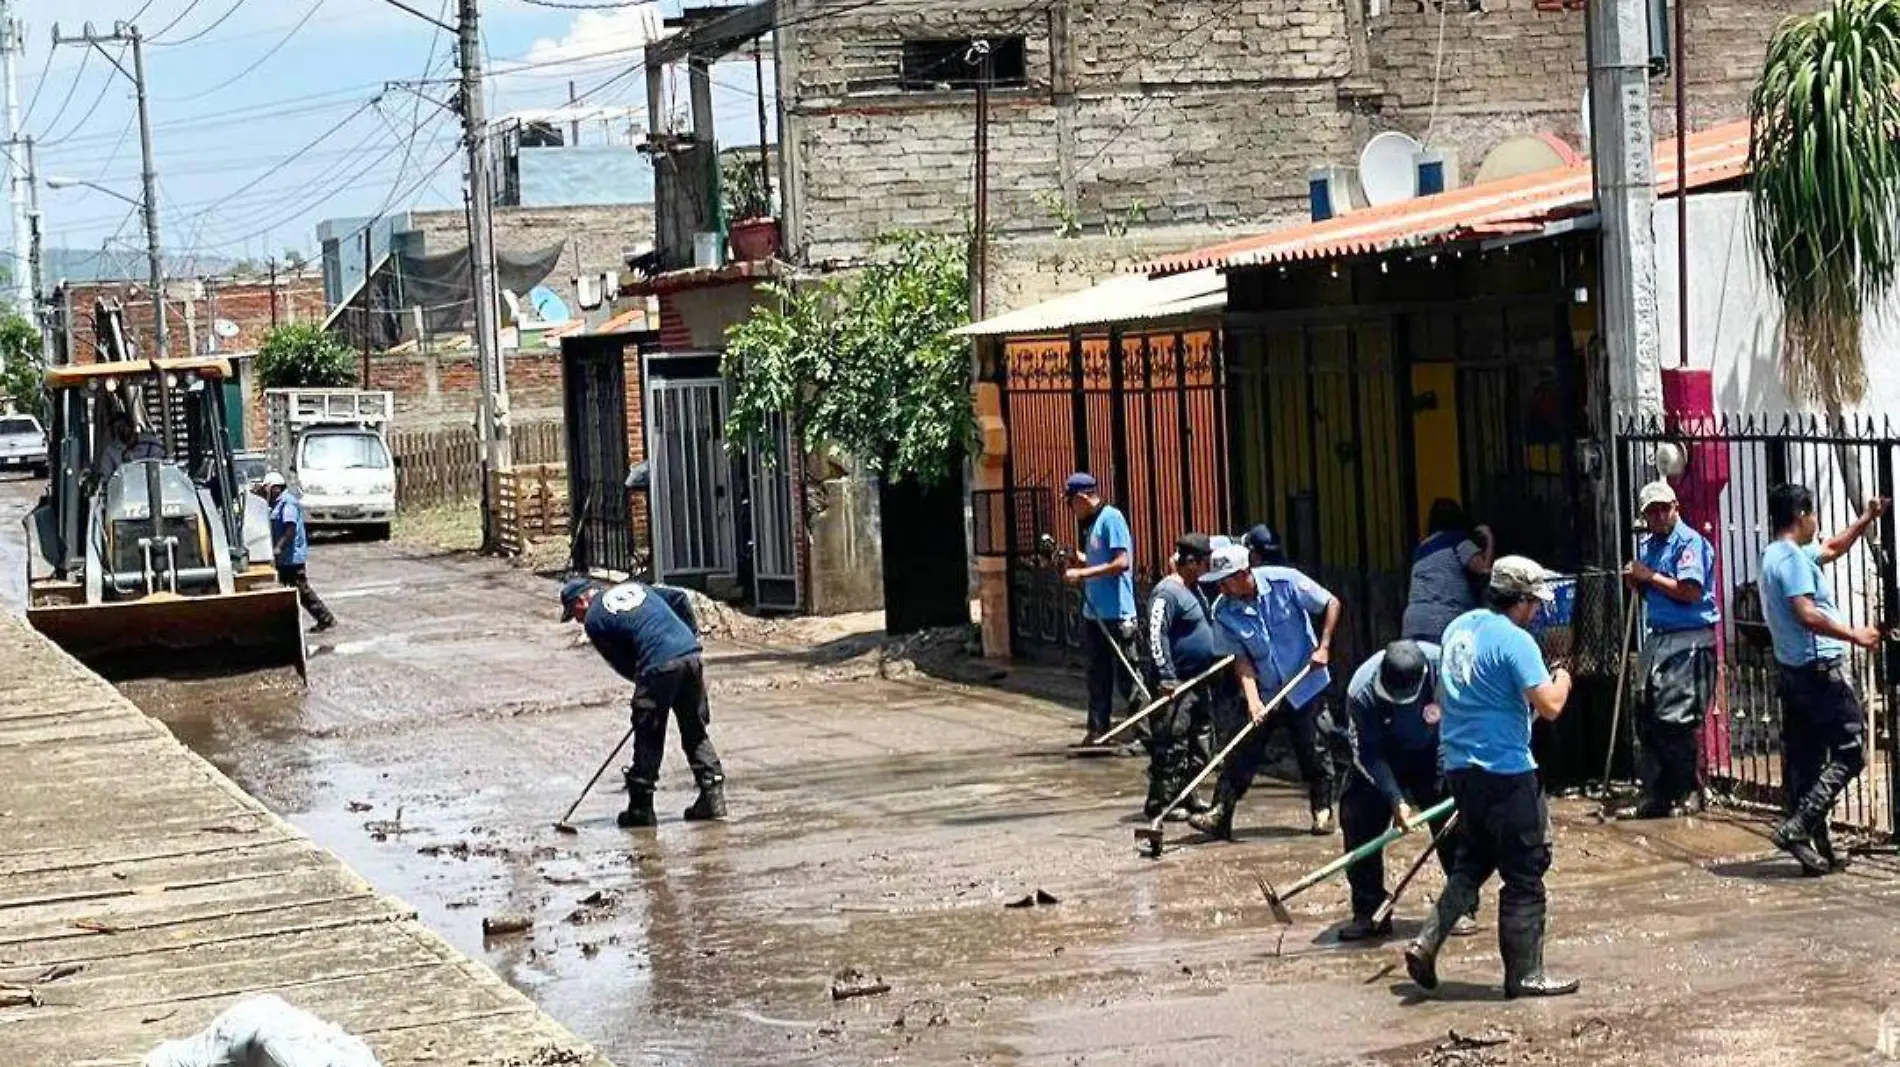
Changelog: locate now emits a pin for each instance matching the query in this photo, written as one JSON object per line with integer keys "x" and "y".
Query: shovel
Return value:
{"x": 1046, "y": 547}
{"x": 1277, "y": 901}
{"x": 1168, "y": 698}
{"x": 1150, "y": 837}
{"x": 1392, "y": 899}
{"x": 565, "y": 827}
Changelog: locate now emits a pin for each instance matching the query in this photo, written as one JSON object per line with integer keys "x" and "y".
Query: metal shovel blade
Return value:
{"x": 1280, "y": 914}
{"x": 1148, "y": 839}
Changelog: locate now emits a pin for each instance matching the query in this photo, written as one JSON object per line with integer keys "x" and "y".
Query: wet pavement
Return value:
{"x": 884, "y": 826}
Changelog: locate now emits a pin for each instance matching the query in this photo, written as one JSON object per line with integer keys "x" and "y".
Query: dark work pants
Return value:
{"x": 1108, "y": 679}
{"x": 1364, "y": 814}
{"x": 1669, "y": 713}
{"x": 292, "y": 574}
{"x": 1822, "y": 735}
{"x": 1302, "y": 730}
{"x": 1179, "y": 748}
{"x": 678, "y": 687}
{"x": 1503, "y": 828}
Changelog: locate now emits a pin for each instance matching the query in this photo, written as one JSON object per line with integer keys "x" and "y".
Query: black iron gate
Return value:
{"x": 594, "y": 381}
{"x": 1726, "y": 467}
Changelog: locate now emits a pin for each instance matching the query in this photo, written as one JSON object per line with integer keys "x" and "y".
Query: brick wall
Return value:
{"x": 1205, "y": 113}
{"x": 444, "y": 388}
{"x": 246, "y": 303}
{"x": 597, "y": 238}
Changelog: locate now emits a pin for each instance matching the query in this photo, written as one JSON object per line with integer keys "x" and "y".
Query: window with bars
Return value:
{"x": 940, "y": 65}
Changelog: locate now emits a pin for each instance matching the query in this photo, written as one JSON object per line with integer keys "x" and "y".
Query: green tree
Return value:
{"x": 867, "y": 364}
{"x": 1825, "y": 186}
{"x": 21, "y": 382}
{"x": 304, "y": 355}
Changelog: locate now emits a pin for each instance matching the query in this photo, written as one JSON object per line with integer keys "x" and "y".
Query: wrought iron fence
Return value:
{"x": 1722, "y": 469}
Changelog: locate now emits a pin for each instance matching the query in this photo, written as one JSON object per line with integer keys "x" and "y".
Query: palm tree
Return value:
{"x": 1824, "y": 149}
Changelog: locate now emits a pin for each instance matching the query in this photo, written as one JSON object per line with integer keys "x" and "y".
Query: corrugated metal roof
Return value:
{"x": 1512, "y": 205}
{"x": 1123, "y": 298}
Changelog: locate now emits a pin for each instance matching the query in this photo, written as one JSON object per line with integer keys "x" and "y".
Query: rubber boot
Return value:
{"x": 1521, "y": 943}
{"x": 1362, "y": 928}
{"x": 639, "y": 805}
{"x": 1219, "y": 823}
{"x": 711, "y": 803}
{"x": 1823, "y": 842}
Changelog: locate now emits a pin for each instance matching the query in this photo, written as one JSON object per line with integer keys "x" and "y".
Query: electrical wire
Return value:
{"x": 260, "y": 61}
{"x": 38, "y": 87}
{"x": 214, "y": 24}
{"x": 1222, "y": 15}
{"x": 104, "y": 88}
{"x": 84, "y": 58}
{"x": 182, "y": 15}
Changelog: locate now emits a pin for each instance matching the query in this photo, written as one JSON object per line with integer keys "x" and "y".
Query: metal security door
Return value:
{"x": 775, "y": 553}
{"x": 692, "y": 479}
{"x": 595, "y": 380}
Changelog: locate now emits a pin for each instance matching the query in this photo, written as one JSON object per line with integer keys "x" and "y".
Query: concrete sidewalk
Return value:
{"x": 141, "y": 893}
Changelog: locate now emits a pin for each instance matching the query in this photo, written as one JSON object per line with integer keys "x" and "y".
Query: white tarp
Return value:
{"x": 265, "y": 1032}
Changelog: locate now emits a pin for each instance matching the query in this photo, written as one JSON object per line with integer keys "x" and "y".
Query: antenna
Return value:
{"x": 1388, "y": 168}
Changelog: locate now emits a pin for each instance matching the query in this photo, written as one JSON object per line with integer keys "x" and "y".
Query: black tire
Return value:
{"x": 42, "y": 471}
{"x": 376, "y": 531}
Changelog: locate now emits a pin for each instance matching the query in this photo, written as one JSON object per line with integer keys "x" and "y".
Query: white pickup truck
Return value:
{"x": 330, "y": 444}
{"x": 22, "y": 444}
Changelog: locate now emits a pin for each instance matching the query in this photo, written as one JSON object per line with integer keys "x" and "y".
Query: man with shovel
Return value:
{"x": 1674, "y": 572}
{"x": 1105, "y": 571}
{"x": 1492, "y": 684}
{"x": 1180, "y": 647}
{"x": 1265, "y": 618}
{"x": 1394, "y": 739}
{"x": 649, "y": 636}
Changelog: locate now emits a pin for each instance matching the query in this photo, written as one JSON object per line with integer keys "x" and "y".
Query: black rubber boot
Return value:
{"x": 1790, "y": 838}
{"x": 1521, "y": 943}
{"x": 711, "y": 803}
{"x": 1217, "y": 824}
{"x": 1364, "y": 929}
{"x": 639, "y": 806}
{"x": 1823, "y": 842}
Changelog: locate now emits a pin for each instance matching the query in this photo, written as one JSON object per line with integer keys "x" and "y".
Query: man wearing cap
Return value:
{"x": 1106, "y": 575}
{"x": 290, "y": 548}
{"x": 1180, "y": 648}
{"x": 1676, "y": 672}
{"x": 1263, "y": 547}
{"x": 1394, "y": 738}
{"x": 1492, "y": 684}
{"x": 1823, "y": 726}
{"x": 1264, "y": 617}
{"x": 648, "y": 634}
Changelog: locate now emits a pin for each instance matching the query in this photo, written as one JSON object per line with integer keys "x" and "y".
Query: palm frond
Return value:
{"x": 1825, "y": 160}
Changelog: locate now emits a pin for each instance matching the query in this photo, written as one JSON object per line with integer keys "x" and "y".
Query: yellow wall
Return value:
{"x": 1435, "y": 436}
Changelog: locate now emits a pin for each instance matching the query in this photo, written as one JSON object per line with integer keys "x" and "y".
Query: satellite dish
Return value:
{"x": 225, "y": 328}
{"x": 1526, "y": 155}
{"x": 547, "y": 306}
{"x": 1388, "y": 168}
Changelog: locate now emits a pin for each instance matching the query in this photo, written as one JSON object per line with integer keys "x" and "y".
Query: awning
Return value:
{"x": 1122, "y": 299}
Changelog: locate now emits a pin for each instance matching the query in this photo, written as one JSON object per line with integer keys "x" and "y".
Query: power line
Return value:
{"x": 260, "y": 61}
{"x": 84, "y": 58}
{"x": 182, "y": 15}
{"x": 104, "y": 88}
{"x": 1222, "y": 15}
{"x": 38, "y": 87}
{"x": 214, "y": 24}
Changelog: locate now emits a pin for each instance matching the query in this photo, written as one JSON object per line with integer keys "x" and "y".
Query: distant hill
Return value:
{"x": 92, "y": 265}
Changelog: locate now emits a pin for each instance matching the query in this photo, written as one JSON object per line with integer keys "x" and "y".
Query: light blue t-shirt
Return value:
{"x": 1487, "y": 664}
{"x": 1110, "y": 598}
{"x": 1274, "y": 630}
{"x": 1685, "y": 556}
{"x": 286, "y": 513}
{"x": 1789, "y": 570}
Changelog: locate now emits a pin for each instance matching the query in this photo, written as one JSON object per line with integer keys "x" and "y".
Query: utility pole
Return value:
{"x": 980, "y": 241}
{"x": 573, "y": 116}
{"x": 1623, "y": 146}
{"x": 369, "y": 272}
{"x": 273, "y": 292}
{"x": 126, "y": 33}
{"x": 18, "y": 178}
{"x": 481, "y": 245}
{"x": 35, "y": 269}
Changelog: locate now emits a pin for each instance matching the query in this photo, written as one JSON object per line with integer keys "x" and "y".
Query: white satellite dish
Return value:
{"x": 225, "y": 328}
{"x": 1388, "y": 168}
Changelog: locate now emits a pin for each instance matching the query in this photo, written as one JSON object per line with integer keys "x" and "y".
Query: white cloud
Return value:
{"x": 597, "y": 38}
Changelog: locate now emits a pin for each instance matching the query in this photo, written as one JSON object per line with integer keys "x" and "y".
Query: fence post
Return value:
{"x": 1889, "y": 659}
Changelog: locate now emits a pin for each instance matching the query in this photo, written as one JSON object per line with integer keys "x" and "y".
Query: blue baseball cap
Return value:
{"x": 1262, "y": 539}
{"x": 1078, "y": 483}
{"x": 572, "y": 592}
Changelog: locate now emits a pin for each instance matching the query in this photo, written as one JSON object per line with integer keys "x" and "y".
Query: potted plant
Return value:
{"x": 750, "y": 228}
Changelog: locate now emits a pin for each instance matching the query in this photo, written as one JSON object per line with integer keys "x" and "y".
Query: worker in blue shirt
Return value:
{"x": 1105, "y": 571}
{"x": 1392, "y": 706}
{"x": 290, "y": 548}
{"x": 1180, "y": 649}
{"x": 1492, "y": 685}
{"x": 1822, "y": 724}
{"x": 1675, "y": 679}
{"x": 648, "y": 635}
{"x": 1264, "y": 618}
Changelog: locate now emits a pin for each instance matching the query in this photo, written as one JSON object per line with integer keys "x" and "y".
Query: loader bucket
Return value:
{"x": 164, "y": 634}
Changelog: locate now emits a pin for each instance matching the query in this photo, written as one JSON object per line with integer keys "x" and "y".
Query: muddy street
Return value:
{"x": 884, "y": 826}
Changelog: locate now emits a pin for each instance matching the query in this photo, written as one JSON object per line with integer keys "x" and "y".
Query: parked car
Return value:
{"x": 22, "y": 444}
{"x": 251, "y": 467}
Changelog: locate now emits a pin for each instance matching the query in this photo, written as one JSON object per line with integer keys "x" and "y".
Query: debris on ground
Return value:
{"x": 265, "y": 1030}
{"x": 1039, "y": 897}
{"x": 1592, "y": 1029}
{"x": 852, "y": 982}
{"x": 95, "y": 926}
{"x": 497, "y": 925}
{"x": 359, "y": 806}
{"x": 58, "y": 971}
{"x": 1470, "y": 1048}
{"x": 595, "y": 906}
{"x": 17, "y": 996}
{"x": 384, "y": 829}
{"x": 546, "y": 1056}
{"x": 921, "y": 1013}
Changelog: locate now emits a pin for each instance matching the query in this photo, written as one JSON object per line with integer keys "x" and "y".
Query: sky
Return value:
{"x": 270, "y": 116}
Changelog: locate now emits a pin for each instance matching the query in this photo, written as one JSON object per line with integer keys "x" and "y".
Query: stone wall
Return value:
{"x": 443, "y": 388}
{"x": 597, "y": 238}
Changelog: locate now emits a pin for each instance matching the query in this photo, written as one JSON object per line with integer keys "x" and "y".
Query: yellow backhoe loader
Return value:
{"x": 142, "y": 559}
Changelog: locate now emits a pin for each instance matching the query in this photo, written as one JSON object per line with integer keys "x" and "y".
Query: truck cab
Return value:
{"x": 330, "y": 445}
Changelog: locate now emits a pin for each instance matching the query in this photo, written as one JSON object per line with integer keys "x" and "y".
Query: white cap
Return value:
{"x": 1522, "y": 576}
{"x": 1656, "y": 492}
{"x": 273, "y": 478}
{"x": 1228, "y": 561}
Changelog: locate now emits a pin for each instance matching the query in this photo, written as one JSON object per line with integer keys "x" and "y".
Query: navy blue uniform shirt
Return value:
{"x": 638, "y": 628}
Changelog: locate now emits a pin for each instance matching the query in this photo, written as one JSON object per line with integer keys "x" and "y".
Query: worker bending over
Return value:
{"x": 1180, "y": 648}
{"x": 1264, "y": 617}
{"x": 649, "y": 635}
{"x": 1493, "y": 684}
